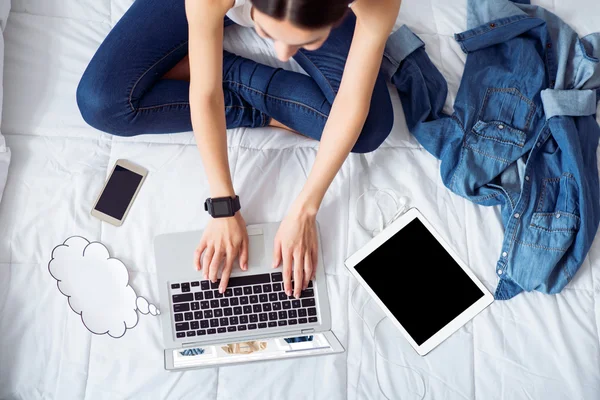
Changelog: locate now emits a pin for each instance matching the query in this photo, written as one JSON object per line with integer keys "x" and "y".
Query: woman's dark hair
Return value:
{"x": 311, "y": 14}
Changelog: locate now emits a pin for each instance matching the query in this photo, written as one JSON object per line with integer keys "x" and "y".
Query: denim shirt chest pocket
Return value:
{"x": 555, "y": 220}
{"x": 499, "y": 135}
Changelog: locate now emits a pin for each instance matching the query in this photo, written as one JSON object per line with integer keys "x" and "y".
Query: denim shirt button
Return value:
{"x": 538, "y": 144}
{"x": 500, "y": 272}
{"x": 527, "y": 178}
{"x": 557, "y": 215}
{"x": 500, "y": 127}
{"x": 504, "y": 254}
{"x": 517, "y": 215}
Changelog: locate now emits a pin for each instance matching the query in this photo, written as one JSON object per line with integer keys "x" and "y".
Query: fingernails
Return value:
{"x": 288, "y": 292}
{"x": 221, "y": 290}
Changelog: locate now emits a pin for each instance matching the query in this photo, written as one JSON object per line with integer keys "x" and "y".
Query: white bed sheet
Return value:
{"x": 532, "y": 347}
{"x": 4, "y": 151}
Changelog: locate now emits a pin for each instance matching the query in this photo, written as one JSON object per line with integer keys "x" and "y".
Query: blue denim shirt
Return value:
{"x": 523, "y": 134}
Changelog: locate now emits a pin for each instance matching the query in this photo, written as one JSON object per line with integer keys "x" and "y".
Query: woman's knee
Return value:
{"x": 378, "y": 125}
{"x": 99, "y": 105}
{"x": 379, "y": 122}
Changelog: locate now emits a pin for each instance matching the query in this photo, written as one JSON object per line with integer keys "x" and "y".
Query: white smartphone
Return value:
{"x": 119, "y": 192}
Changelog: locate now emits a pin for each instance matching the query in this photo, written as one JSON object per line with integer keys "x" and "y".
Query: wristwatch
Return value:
{"x": 222, "y": 207}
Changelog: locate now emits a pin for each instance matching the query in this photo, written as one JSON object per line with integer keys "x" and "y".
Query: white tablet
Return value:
{"x": 419, "y": 281}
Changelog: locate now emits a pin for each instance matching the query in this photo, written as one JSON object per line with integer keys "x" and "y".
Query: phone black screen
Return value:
{"x": 118, "y": 192}
{"x": 418, "y": 281}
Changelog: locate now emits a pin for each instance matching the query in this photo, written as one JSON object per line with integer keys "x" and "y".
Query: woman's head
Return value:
{"x": 295, "y": 24}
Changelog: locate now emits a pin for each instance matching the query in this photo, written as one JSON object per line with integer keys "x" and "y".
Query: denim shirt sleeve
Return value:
{"x": 590, "y": 55}
{"x": 576, "y": 91}
{"x": 422, "y": 90}
{"x": 577, "y": 75}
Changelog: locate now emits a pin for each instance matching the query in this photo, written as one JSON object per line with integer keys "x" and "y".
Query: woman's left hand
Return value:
{"x": 296, "y": 246}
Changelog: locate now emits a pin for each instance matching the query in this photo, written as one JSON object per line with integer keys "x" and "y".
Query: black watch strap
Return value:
{"x": 235, "y": 204}
{"x": 222, "y": 207}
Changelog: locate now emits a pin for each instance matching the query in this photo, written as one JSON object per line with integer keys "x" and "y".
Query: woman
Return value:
{"x": 163, "y": 69}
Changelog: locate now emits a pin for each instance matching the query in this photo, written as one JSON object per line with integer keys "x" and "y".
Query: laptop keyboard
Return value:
{"x": 249, "y": 302}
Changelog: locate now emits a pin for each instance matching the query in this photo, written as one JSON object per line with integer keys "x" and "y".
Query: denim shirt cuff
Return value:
{"x": 506, "y": 289}
{"x": 494, "y": 32}
{"x": 400, "y": 45}
{"x": 573, "y": 103}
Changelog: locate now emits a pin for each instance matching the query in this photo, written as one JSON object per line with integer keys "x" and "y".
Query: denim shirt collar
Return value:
{"x": 496, "y": 31}
{"x": 480, "y": 12}
{"x": 573, "y": 63}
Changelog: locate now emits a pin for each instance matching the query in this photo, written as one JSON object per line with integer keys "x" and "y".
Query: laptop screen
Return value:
{"x": 252, "y": 350}
{"x": 418, "y": 281}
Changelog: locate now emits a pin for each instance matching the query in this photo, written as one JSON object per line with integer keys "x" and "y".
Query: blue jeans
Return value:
{"x": 122, "y": 92}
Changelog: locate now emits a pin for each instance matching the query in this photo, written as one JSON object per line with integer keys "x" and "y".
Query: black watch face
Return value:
{"x": 221, "y": 208}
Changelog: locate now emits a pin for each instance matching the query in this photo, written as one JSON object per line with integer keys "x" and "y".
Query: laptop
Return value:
{"x": 254, "y": 320}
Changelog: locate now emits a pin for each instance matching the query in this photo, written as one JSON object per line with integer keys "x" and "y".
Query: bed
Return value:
{"x": 534, "y": 346}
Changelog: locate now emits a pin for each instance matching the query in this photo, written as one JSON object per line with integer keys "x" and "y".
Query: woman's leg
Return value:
{"x": 123, "y": 92}
{"x": 302, "y": 102}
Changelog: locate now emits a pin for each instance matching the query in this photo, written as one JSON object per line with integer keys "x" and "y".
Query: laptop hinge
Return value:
{"x": 192, "y": 344}
{"x": 241, "y": 338}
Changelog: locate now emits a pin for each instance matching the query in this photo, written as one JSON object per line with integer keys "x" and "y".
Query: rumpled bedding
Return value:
{"x": 4, "y": 151}
{"x": 534, "y": 346}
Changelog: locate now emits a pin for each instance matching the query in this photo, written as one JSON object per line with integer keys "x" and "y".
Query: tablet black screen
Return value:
{"x": 418, "y": 281}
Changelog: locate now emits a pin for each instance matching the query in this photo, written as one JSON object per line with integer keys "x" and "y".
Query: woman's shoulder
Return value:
{"x": 378, "y": 16}
{"x": 375, "y": 6}
{"x": 205, "y": 7}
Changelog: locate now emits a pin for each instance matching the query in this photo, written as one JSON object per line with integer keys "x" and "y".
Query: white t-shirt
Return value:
{"x": 241, "y": 13}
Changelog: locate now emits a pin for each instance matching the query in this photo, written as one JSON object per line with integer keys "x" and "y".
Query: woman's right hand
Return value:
{"x": 224, "y": 240}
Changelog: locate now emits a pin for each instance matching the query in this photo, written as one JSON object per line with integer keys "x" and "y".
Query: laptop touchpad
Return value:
{"x": 256, "y": 250}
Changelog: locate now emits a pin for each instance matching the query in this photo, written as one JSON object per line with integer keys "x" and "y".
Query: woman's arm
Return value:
{"x": 296, "y": 240}
{"x": 224, "y": 238}
{"x": 205, "y": 20}
{"x": 375, "y": 21}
